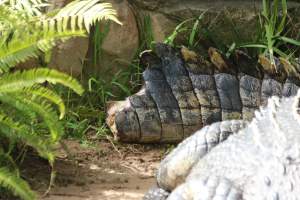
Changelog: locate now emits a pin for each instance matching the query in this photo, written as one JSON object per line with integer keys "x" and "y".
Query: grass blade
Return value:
{"x": 194, "y": 29}
{"x": 289, "y": 40}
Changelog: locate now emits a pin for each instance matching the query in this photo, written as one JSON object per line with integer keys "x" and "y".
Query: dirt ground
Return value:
{"x": 103, "y": 171}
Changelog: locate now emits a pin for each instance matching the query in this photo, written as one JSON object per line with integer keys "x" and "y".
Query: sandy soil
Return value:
{"x": 104, "y": 171}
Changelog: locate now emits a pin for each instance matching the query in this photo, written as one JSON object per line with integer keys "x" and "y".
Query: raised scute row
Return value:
{"x": 183, "y": 92}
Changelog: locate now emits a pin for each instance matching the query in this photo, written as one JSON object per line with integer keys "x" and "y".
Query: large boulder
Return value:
{"x": 68, "y": 56}
{"x": 227, "y": 20}
{"x": 119, "y": 45}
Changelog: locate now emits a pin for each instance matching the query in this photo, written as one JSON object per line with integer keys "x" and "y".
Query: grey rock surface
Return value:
{"x": 222, "y": 16}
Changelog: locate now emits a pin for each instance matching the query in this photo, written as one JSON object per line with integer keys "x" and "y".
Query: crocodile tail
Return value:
{"x": 183, "y": 92}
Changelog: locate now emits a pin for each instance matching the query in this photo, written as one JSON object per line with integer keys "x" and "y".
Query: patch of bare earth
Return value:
{"x": 103, "y": 171}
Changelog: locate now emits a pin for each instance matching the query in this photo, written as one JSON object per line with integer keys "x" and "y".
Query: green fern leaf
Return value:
{"x": 21, "y": 132}
{"x": 86, "y": 12}
{"x": 8, "y": 161}
{"x": 31, "y": 7}
{"x": 49, "y": 95}
{"x": 24, "y": 37}
{"x": 19, "y": 80}
{"x": 17, "y": 185}
{"x": 27, "y": 109}
{"x": 42, "y": 108}
{"x": 21, "y": 49}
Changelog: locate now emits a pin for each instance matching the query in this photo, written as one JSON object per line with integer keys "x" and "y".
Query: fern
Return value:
{"x": 20, "y": 80}
{"x": 22, "y": 92}
{"x": 30, "y": 7}
{"x": 28, "y": 35}
{"x": 85, "y": 12}
{"x": 50, "y": 95}
{"x": 28, "y": 108}
{"x": 21, "y": 132}
{"x": 41, "y": 108}
{"x": 16, "y": 184}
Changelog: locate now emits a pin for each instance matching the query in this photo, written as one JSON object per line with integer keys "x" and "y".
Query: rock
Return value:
{"x": 68, "y": 56}
{"x": 161, "y": 26}
{"x": 118, "y": 47}
{"x": 121, "y": 41}
{"x": 29, "y": 64}
{"x": 120, "y": 44}
{"x": 227, "y": 21}
{"x": 117, "y": 50}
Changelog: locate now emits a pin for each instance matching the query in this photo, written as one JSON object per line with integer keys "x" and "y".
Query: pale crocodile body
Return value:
{"x": 260, "y": 161}
{"x": 183, "y": 92}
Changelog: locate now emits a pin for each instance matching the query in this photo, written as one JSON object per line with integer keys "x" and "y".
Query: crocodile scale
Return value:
{"x": 235, "y": 160}
{"x": 183, "y": 92}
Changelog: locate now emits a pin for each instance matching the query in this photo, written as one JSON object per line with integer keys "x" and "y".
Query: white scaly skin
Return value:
{"x": 262, "y": 161}
{"x": 173, "y": 171}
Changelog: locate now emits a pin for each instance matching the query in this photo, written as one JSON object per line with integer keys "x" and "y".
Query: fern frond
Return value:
{"x": 85, "y": 13}
{"x": 15, "y": 184}
{"x": 9, "y": 104}
{"x": 20, "y": 49}
{"x": 10, "y": 19}
{"x": 7, "y": 160}
{"x": 31, "y": 7}
{"x": 42, "y": 108}
{"x": 17, "y": 81}
{"x": 20, "y": 132}
{"x": 24, "y": 37}
{"x": 49, "y": 95}
{"x": 49, "y": 116}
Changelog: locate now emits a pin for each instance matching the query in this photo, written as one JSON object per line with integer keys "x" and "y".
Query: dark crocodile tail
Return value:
{"x": 184, "y": 92}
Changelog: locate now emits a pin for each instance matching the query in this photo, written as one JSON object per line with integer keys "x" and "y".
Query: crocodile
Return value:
{"x": 236, "y": 159}
{"x": 184, "y": 92}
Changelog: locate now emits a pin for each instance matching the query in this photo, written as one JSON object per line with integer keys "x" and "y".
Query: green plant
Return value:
{"x": 31, "y": 7}
{"x": 273, "y": 21}
{"x": 146, "y": 39}
{"x": 183, "y": 27}
{"x": 195, "y": 30}
{"x": 104, "y": 90}
{"x": 27, "y": 104}
{"x": 178, "y": 29}
{"x": 274, "y": 34}
{"x": 100, "y": 33}
{"x": 147, "y": 36}
{"x": 27, "y": 114}
{"x": 86, "y": 115}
